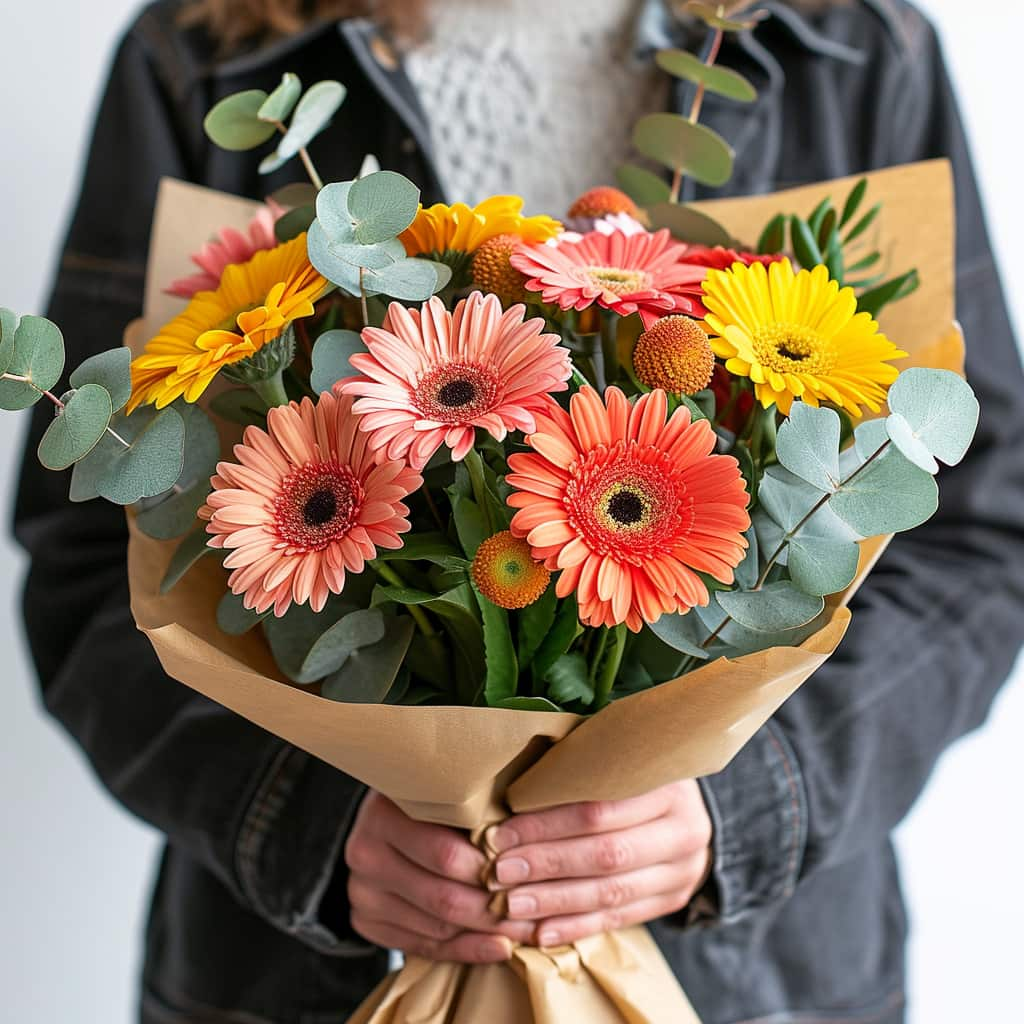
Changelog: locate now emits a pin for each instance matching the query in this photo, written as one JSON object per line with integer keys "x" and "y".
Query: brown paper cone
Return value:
{"x": 468, "y": 767}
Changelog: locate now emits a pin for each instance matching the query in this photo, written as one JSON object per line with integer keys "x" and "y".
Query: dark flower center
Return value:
{"x": 456, "y": 393}
{"x": 788, "y": 353}
{"x": 625, "y": 508}
{"x": 320, "y": 508}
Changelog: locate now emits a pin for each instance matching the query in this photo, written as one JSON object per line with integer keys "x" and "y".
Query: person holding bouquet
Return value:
{"x": 771, "y": 887}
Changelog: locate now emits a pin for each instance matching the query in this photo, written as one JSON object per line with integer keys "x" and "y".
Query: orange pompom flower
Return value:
{"x": 674, "y": 355}
{"x": 602, "y": 201}
{"x": 505, "y": 572}
{"x": 628, "y": 506}
{"x": 306, "y": 501}
{"x": 493, "y": 272}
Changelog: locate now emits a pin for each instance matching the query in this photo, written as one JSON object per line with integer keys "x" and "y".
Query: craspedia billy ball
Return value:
{"x": 602, "y": 201}
{"x": 674, "y": 355}
{"x": 492, "y": 271}
{"x": 506, "y": 574}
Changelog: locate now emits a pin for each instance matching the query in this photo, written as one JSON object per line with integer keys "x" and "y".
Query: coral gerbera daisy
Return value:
{"x": 630, "y": 507}
{"x": 251, "y": 306}
{"x": 798, "y": 336}
{"x": 505, "y": 572}
{"x": 641, "y": 272}
{"x": 306, "y": 501}
{"x": 230, "y": 246}
{"x": 433, "y": 376}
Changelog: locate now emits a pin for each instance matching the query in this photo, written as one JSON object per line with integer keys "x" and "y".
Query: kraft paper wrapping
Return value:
{"x": 471, "y": 767}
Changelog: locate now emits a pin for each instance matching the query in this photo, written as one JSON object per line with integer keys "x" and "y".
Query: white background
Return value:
{"x": 75, "y": 868}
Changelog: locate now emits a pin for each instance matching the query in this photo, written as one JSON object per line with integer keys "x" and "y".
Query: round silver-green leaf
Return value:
{"x": 312, "y": 116}
{"x": 716, "y": 79}
{"x": 772, "y": 609}
{"x": 281, "y": 102}
{"x": 38, "y": 356}
{"x": 940, "y": 410}
{"x": 683, "y": 146}
{"x": 382, "y": 205}
{"x": 77, "y": 429}
{"x": 234, "y": 618}
{"x": 644, "y": 187}
{"x": 808, "y": 445}
{"x": 8, "y": 325}
{"x": 112, "y": 371}
{"x": 688, "y": 224}
{"x": 331, "y": 355}
{"x": 822, "y": 567}
{"x": 188, "y": 552}
{"x": 234, "y": 123}
{"x": 412, "y": 280}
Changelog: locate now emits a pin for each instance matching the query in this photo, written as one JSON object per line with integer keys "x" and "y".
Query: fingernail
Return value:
{"x": 515, "y": 869}
{"x": 550, "y": 937}
{"x": 503, "y": 838}
{"x": 521, "y": 905}
{"x": 495, "y": 949}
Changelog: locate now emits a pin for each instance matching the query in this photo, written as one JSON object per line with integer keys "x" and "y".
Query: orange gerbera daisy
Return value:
{"x": 306, "y": 501}
{"x": 629, "y": 507}
{"x": 433, "y": 376}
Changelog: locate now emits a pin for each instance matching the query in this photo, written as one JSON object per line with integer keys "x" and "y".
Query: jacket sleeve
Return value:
{"x": 267, "y": 819}
{"x": 938, "y": 623}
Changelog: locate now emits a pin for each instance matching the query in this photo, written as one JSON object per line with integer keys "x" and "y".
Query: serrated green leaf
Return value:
{"x": 721, "y": 80}
{"x": 644, "y": 187}
{"x": 559, "y": 638}
{"x": 805, "y": 246}
{"x": 369, "y": 672}
{"x": 693, "y": 149}
{"x": 331, "y": 355}
{"x": 773, "y": 238}
{"x": 188, "y": 552}
{"x": 234, "y": 122}
{"x": 281, "y": 102}
{"x": 382, "y": 205}
{"x": 234, "y": 618}
{"x": 688, "y": 224}
{"x": 499, "y": 653}
{"x": 38, "y": 355}
{"x": 939, "y": 409}
{"x": 808, "y": 445}
{"x": 822, "y": 567}
{"x": 774, "y": 608}
{"x": 469, "y": 524}
{"x": 8, "y": 326}
{"x": 888, "y": 496}
{"x": 76, "y": 430}
{"x": 312, "y": 115}
{"x": 534, "y": 622}
{"x": 112, "y": 371}
{"x": 682, "y": 632}
{"x": 568, "y": 680}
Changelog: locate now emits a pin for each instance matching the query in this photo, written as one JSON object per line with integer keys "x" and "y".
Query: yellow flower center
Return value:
{"x": 792, "y": 348}
{"x": 617, "y": 280}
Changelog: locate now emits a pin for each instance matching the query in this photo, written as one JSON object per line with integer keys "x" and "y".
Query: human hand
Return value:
{"x": 585, "y": 868}
{"x": 416, "y": 887}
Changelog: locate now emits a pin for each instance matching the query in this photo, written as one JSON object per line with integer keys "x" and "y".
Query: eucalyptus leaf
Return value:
{"x": 331, "y": 355}
{"x": 359, "y": 628}
{"x": 939, "y": 412}
{"x": 644, "y": 187}
{"x": 902, "y": 435}
{"x": 682, "y": 632}
{"x": 684, "y": 146}
{"x": 411, "y": 280}
{"x": 822, "y": 567}
{"x": 382, "y": 205}
{"x": 188, "y": 552}
{"x": 291, "y": 224}
{"x": 785, "y": 497}
{"x": 720, "y": 80}
{"x": 688, "y": 224}
{"x": 312, "y": 115}
{"x": 887, "y": 496}
{"x": 369, "y": 672}
{"x": 112, "y": 371}
{"x": 234, "y": 122}
{"x": 8, "y": 326}
{"x": 747, "y": 572}
{"x": 77, "y": 429}
{"x": 774, "y": 608}
{"x": 202, "y": 446}
{"x": 240, "y": 405}
{"x": 869, "y": 436}
{"x": 568, "y": 680}
{"x": 281, "y": 102}
{"x": 38, "y": 355}
{"x": 808, "y": 445}
{"x": 234, "y": 618}
{"x": 175, "y": 515}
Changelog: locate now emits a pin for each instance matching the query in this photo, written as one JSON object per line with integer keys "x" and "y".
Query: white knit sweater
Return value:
{"x": 533, "y": 97}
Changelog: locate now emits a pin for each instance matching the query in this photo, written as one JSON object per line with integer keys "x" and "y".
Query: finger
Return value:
{"x": 467, "y": 947}
{"x": 454, "y": 903}
{"x": 596, "y": 856}
{"x": 559, "y": 931}
{"x": 581, "y": 819}
{"x": 589, "y": 895}
{"x": 377, "y": 905}
{"x": 443, "y": 851}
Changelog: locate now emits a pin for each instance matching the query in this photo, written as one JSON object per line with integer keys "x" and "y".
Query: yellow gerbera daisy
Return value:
{"x": 441, "y": 229}
{"x": 252, "y": 305}
{"x": 798, "y": 335}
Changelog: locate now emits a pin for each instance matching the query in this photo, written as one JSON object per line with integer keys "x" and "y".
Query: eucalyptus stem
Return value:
{"x": 272, "y": 390}
{"x": 610, "y": 669}
{"x": 475, "y": 467}
{"x": 307, "y": 162}
{"x": 790, "y": 534}
{"x": 387, "y": 573}
{"x": 362, "y": 299}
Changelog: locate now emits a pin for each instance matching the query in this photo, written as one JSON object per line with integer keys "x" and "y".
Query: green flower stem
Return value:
{"x": 610, "y": 669}
{"x": 389, "y": 575}
{"x": 271, "y": 390}
{"x": 597, "y": 654}
{"x": 610, "y": 347}
{"x": 475, "y": 467}
{"x": 362, "y": 299}
{"x": 818, "y": 505}
{"x": 578, "y": 379}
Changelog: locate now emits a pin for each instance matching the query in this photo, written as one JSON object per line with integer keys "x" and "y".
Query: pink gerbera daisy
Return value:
{"x": 432, "y": 377}
{"x": 628, "y": 506}
{"x": 640, "y": 272}
{"x": 230, "y": 246}
{"x": 306, "y": 501}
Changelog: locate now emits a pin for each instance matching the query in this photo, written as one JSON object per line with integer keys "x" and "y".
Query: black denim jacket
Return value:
{"x": 811, "y": 924}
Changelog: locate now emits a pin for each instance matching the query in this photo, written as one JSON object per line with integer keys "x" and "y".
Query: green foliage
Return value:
{"x": 331, "y": 355}
{"x": 291, "y": 224}
{"x": 500, "y": 656}
{"x": 876, "y": 299}
{"x": 534, "y": 623}
{"x": 718, "y": 16}
{"x": 568, "y": 680}
{"x": 369, "y": 672}
{"x": 772, "y": 609}
{"x": 773, "y": 238}
{"x": 644, "y": 187}
{"x": 188, "y": 552}
{"x": 688, "y": 224}
{"x": 111, "y": 371}
{"x": 808, "y": 445}
{"x": 312, "y": 115}
{"x": 723, "y": 81}
{"x": 234, "y": 123}
{"x": 528, "y": 704}
{"x": 382, "y": 205}
{"x": 234, "y": 618}
{"x": 38, "y": 355}
{"x": 281, "y": 102}
{"x": 682, "y": 632}
{"x": 175, "y": 515}
{"x": 240, "y": 405}
{"x": 822, "y": 566}
{"x": 469, "y": 523}
{"x": 331, "y": 649}
{"x": 77, "y": 428}
{"x": 8, "y": 326}
{"x": 684, "y": 147}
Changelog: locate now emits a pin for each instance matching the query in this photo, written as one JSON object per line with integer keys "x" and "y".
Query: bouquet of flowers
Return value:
{"x": 516, "y": 497}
